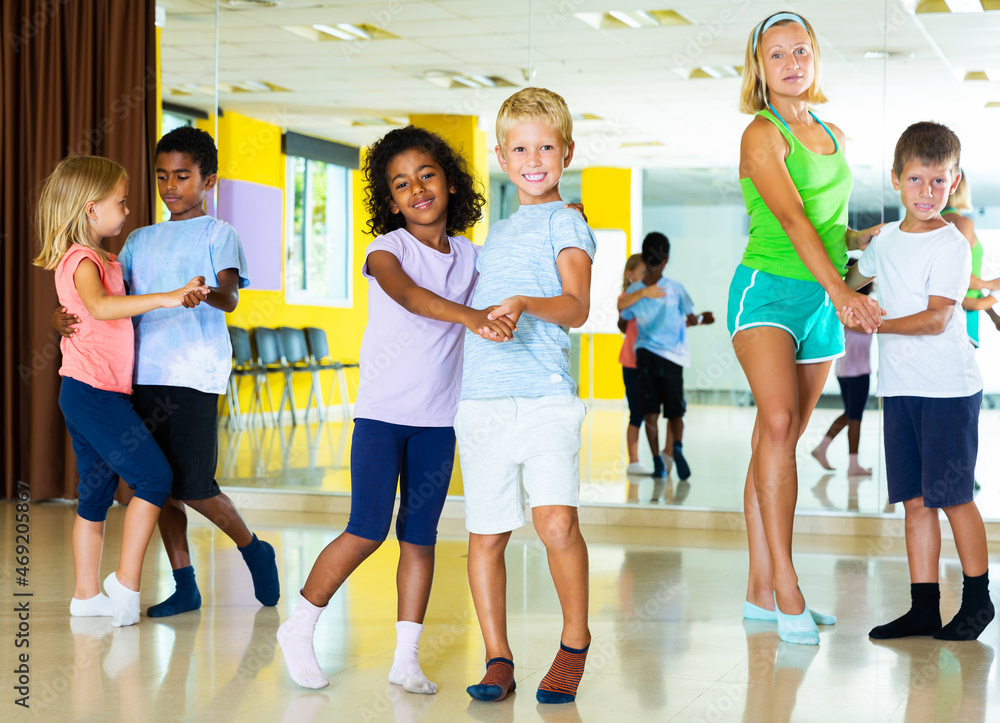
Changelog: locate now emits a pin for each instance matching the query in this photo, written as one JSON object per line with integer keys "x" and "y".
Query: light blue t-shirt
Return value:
{"x": 662, "y": 322}
{"x": 182, "y": 347}
{"x": 519, "y": 258}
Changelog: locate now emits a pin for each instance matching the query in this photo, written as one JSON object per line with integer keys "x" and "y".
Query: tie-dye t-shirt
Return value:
{"x": 182, "y": 347}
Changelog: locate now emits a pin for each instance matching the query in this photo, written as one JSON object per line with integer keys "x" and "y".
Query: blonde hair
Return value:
{"x": 61, "y": 215}
{"x": 534, "y": 104}
{"x": 631, "y": 264}
{"x": 961, "y": 199}
{"x": 754, "y": 93}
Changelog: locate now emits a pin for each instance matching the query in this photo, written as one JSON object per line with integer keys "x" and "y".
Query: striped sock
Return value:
{"x": 560, "y": 683}
{"x": 498, "y": 681}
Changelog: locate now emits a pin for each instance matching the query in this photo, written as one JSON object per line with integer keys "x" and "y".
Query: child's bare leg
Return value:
{"x": 88, "y": 542}
{"x": 632, "y": 443}
{"x": 173, "y": 531}
{"x": 970, "y": 538}
{"x": 222, "y": 513}
{"x": 333, "y": 566}
{"x": 653, "y": 433}
{"x": 976, "y": 611}
{"x": 140, "y": 521}
{"x": 122, "y": 586}
{"x": 488, "y": 581}
{"x": 558, "y": 526}
{"x": 923, "y": 551}
{"x": 559, "y": 529}
{"x": 414, "y": 576}
{"x": 853, "y": 442}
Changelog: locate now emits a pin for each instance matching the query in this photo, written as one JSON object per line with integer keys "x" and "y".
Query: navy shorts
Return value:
{"x": 185, "y": 423}
{"x": 854, "y": 392}
{"x": 420, "y": 458}
{"x": 630, "y": 375}
{"x": 110, "y": 441}
{"x": 930, "y": 448}
{"x": 661, "y": 385}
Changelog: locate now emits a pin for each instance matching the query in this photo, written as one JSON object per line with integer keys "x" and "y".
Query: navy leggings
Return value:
{"x": 111, "y": 441}
{"x": 420, "y": 458}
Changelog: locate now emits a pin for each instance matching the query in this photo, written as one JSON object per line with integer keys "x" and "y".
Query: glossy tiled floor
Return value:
{"x": 668, "y": 644}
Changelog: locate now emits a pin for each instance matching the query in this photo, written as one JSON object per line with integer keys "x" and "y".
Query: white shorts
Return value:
{"x": 506, "y": 444}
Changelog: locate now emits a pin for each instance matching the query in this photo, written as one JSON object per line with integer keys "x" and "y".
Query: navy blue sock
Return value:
{"x": 659, "y": 467}
{"x": 186, "y": 596}
{"x": 259, "y": 557}
{"x": 683, "y": 469}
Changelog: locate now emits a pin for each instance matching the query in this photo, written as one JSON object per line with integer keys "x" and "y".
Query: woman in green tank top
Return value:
{"x": 783, "y": 301}
{"x": 978, "y": 298}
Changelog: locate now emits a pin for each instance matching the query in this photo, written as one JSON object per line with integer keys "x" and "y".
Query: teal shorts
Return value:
{"x": 802, "y": 308}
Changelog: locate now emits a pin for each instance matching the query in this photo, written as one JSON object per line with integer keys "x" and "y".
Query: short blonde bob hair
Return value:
{"x": 961, "y": 199}
{"x": 534, "y": 104}
{"x": 754, "y": 94}
{"x": 61, "y": 217}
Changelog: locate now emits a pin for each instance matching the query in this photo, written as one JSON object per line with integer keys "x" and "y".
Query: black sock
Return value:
{"x": 923, "y": 618}
{"x": 975, "y": 613}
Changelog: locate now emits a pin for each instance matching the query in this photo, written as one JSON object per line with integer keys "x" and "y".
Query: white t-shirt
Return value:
{"x": 911, "y": 267}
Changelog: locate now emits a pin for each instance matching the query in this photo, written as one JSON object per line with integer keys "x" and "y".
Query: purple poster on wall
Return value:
{"x": 256, "y": 212}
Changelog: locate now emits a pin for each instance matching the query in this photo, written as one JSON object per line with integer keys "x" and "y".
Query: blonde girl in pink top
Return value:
{"x": 82, "y": 202}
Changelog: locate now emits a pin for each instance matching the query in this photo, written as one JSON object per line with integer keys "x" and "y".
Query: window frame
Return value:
{"x": 303, "y": 297}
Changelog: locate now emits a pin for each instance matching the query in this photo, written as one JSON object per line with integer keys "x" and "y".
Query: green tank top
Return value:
{"x": 972, "y": 316}
{"x": 824, "y": 184}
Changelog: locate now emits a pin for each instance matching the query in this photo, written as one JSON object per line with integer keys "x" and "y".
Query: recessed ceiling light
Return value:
{"x": 634, "y": 19}
{"x": 954, "y": 6}
{"x": 888, "y": 54}
{"x": 249, "y": 4}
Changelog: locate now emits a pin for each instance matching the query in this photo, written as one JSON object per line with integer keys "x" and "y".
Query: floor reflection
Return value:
{"x": 668, "y": 641}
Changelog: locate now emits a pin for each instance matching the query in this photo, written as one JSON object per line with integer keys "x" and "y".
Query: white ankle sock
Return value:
{"x": 405, "y": 668}
{"x": 98, "y": 606}
{"x": 295, "y": 636}
{"x": 124, "y": 602}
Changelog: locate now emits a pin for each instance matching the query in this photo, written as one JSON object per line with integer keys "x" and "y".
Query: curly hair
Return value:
{"x": 465, "y": 205}
{"x": 196, "y": 143}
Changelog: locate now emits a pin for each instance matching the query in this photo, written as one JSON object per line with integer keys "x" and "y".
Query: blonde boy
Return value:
{"x": 518, "y": 423}
{"x": 930, "y": 384}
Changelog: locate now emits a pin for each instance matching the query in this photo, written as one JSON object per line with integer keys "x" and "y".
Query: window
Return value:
{"x": 318, "y": 255}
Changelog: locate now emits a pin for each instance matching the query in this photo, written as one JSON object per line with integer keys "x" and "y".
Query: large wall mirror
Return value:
{"x": 654, "y": 92}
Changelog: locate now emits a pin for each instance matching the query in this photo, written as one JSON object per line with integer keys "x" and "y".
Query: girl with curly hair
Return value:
{"x": 422, "y": 274}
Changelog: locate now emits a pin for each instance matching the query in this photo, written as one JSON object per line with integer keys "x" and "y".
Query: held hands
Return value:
{"x": 853, "y": 316}
{"x": 64, "y": 323}
{"x": 512, "y": 308}
{"x": 188, "y": 296}
{"x": 707, "y": 317}
{"x": 499, "y": 330}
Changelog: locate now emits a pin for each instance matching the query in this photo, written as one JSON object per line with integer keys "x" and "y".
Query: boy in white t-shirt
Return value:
{"x": 929, "y": 382}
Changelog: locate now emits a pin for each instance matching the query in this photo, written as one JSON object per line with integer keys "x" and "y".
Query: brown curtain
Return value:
{"x": 78, "y": 78}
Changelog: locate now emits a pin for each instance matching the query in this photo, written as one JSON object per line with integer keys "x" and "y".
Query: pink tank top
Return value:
{"x": 101, "y": 352}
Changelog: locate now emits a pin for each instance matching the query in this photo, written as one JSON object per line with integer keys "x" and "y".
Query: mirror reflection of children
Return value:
{"x": 662, "y": 353}
{"x": 635, "y": 271}
{"x": 854, "y": 376}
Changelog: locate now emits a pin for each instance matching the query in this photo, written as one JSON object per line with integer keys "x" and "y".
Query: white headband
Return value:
{"x": 768, "y": 22}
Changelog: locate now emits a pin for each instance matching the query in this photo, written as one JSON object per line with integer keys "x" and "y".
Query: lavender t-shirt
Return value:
{"x": 411, "y": 366}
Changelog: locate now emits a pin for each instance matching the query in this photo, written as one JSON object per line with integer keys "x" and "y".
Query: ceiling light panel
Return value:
{"x": 632, "y": 19}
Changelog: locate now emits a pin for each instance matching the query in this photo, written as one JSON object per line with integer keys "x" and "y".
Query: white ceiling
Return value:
{"x": 633, "y": 80}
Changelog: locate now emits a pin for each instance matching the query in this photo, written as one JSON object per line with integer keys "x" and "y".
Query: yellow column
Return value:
{"x": 463, "y": 134}
{"x": 607, "y": 200}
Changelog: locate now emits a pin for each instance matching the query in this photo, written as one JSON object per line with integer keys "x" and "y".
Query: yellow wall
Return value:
{"x": 607, "y": 199}
{"x": 462, "y": 133}
{"x": 250, "y": 150}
